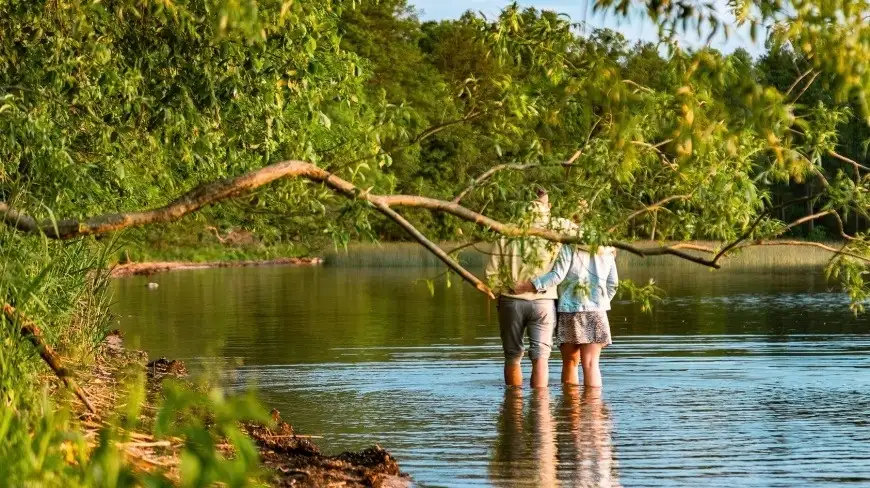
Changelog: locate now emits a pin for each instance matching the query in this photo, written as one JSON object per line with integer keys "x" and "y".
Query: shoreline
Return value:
{"x": 287, "y": 458}
{"x": 154, "y": 267}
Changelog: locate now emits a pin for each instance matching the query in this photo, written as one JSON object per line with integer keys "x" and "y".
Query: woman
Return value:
{"x": 587, "y": 284}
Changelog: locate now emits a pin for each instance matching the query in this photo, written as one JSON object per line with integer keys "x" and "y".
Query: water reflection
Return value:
{"x": 585, "y": 439}
{"x": 734, "y": 380}
{"x": 572, "y": 448}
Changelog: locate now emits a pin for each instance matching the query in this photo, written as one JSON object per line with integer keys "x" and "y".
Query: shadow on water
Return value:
{"x": 539, "y": 444}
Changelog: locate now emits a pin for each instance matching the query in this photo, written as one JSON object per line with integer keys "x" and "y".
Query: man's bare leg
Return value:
{"x": 540, "y": 373}
{"x": 513, "y": 373}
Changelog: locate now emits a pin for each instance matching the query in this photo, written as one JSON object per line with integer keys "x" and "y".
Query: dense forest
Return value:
{"x": 426, "y": 64}
{"x": 445, "y": 111}
{"x": 312, "y": 121}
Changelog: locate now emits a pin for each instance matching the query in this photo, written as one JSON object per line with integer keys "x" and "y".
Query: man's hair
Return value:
{"x": 540, "y": 192}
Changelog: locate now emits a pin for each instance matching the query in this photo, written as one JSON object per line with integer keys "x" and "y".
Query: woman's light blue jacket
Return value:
{"x": 587, "y": 283}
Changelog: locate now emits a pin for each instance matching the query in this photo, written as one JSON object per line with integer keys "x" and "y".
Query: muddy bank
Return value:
{"x": 149, "y": 268}
{"x": 290, "y": 459}
{"x": 296, "y": 461}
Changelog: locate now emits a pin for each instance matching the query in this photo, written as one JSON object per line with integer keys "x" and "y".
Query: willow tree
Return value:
{"x": 123, "y": 113}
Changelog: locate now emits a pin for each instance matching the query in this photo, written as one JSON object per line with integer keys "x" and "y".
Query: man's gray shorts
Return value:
{"x": 515, "y": 317}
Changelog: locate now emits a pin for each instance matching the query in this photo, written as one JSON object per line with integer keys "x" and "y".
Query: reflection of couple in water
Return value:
{"x": 572, "y": 448}
{"x": 530, "y": 278}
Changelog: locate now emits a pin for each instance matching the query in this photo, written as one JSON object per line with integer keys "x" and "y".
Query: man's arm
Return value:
{"x": 493, "y": 264}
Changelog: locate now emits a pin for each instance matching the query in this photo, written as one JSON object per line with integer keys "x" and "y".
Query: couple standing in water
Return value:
{"x": 543, "y": 288}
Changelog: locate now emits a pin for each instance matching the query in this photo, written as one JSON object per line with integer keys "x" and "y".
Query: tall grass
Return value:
{"x": 757, "y": 257}
{"x": 411, "y": 255}
{"x": 399, "y": 255}
{"x": 61, "y": 286}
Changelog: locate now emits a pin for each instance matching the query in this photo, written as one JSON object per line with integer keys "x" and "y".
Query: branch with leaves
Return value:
{"x": 30, "y": 331}
{"x": 218, "y": 191}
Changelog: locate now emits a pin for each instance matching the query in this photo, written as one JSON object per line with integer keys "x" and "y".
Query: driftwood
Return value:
{"x": 31, "y": 332}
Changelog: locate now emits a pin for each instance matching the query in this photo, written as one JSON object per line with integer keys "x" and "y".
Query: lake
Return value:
{"x": 736, "y": 379}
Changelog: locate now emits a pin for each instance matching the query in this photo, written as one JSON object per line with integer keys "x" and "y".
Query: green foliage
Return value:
{"x": 167, "y": 96}
{"x": 122, "y": 105}
{"x": 645, "y": 295}
{"x": 202, "y": 419}
{"x": 61, "y": 286}
{"x": 818, "y": 234}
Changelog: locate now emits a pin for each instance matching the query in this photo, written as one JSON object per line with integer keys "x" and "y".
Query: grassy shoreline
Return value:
{"x": 144, "y": 432}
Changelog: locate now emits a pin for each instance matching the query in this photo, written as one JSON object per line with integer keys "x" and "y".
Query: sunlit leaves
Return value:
{"x": 123, "y": 106}
{"x": 646, "y": 295}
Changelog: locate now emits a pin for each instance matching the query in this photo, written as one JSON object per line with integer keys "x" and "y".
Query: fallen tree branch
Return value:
{"x": 693, "y": 247}
{"x": 798, "y": 80}
{"x": 656, "y": 148}
{"x": 431, "y": 131}
{"x": 807, "y": 86}
{"x": 638, "y": 86}
{"x": 217, "y": 234}
{"x": 808, "y": 218}
{"x": 725, "y": 250}
{"x": 31, "y": 332}
{"x": 215, "y": 192}
{"x": 841, "y": 227}
{"x": 434, "y": 249}
{"x": 488, "y": 174}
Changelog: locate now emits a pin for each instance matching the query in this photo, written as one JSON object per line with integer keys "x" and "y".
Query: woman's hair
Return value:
{"x": 603, "y": 250}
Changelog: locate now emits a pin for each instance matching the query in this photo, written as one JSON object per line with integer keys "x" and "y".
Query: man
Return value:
{"x": 527, "y": 313}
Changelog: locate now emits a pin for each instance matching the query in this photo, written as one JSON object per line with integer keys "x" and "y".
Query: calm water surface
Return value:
{"x": 736, "y": 379}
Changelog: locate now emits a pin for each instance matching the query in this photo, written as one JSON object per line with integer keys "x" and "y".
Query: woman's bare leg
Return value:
{"x": 570, "y": 363}
{"x": 589, "y": 354}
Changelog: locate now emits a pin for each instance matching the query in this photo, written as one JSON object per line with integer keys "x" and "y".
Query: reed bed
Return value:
{"x": 756, "y": 257}
{"x": 399, "y": 255}
{"x": 411, "y": 255}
